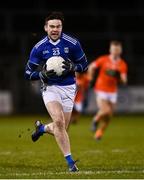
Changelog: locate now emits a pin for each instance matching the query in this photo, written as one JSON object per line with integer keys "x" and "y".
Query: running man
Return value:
{"x": 112, "y": 70}
{"x": 58, "y": 92}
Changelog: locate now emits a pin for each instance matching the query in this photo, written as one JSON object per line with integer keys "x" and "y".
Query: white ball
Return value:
{"x": 55, "y": 63}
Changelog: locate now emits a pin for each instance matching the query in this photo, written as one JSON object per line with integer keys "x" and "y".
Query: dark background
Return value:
{"x": 93, "y": 22}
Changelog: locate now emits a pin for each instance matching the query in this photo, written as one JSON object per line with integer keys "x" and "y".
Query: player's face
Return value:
{"x": 115, "y": 50}
{"x": 54, "y": 29}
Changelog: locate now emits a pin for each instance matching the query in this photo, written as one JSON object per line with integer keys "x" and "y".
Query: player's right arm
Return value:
{"x": 93, "y": 71}
{"x": 31, "y": 70}
{"x": 93, "y": 67}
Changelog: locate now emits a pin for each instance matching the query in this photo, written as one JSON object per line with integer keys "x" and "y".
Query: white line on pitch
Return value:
{"x": 78, "y": 173}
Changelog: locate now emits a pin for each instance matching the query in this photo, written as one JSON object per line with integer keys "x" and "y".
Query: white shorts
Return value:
{"x": 112, "y": 97}
{"x": 63, "y": 94}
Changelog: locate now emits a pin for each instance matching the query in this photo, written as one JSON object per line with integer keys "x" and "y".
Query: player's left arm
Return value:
{"x": 123, "y": 74}
{"x": 79, "y": 58}
{"x": 32, "y": 71}
{"x": 78, "y": 63}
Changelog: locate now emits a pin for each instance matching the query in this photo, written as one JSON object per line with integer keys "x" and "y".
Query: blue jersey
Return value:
{"x": 67, "y": 47}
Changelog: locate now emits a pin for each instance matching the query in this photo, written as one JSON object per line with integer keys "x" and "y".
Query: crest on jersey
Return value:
{"x": 66, "y": 50}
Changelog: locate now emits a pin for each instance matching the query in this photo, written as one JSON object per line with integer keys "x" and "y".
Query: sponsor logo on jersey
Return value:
{"x": 66, "y": 50}
{"x": 45, "y": 52}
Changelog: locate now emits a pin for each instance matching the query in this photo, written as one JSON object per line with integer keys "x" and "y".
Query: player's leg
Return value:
{"x": 58, "y": 128}
{"x": 66, "y": 101}
{"x": 102, "y": 99}
{"x": 51, "y": 94}
{"x": 106, "y": 119}
{"x": 60, "y": 115}
{"x": 43, "y": 128}
{"x": 67, "y": 116}
{"x": 55, "y": 110}
{"x": 48, "y": 95}
{"x": 108, "y": 107}
{"x": 61, "y": 121}
{"x": 49, "y": 128}
{"x": 100, "y": 113}
{"x": 111, "y": 105}
{"x": 105, "y": 114}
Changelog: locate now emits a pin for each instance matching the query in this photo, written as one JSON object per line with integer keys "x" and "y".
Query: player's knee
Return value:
{"x": 107, "y": 112}
{"x": 59, "y": 124}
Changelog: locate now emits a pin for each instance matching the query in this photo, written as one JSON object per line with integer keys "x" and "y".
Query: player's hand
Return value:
{"x": 68, "y": 67}
{"x": 48, "y": 74}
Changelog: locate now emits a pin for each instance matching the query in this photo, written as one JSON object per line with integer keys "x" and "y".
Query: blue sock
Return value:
{"x": 42, "y": 130}
{"x": 69, "y": 159}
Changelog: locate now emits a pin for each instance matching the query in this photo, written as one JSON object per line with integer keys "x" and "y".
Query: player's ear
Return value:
{"x": 45, "y": 28}
{"x": 110, "y": 49}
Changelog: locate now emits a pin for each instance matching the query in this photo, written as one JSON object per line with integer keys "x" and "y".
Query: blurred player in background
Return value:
{"x": 112, "y": 70}
{"x": 58, "y": 91}
{"x": 80, "y": 102}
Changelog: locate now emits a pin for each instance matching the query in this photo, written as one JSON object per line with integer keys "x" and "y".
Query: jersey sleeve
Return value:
{"x": 34, "y": 56}
{"x": 31, "y": 72}
{"x": 79, "y": 58}
{"x": 98, "y": 62}
{"x": 123, "y": 68}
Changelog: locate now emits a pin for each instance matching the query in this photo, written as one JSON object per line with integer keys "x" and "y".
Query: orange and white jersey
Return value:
{"x": 105, "y": 81}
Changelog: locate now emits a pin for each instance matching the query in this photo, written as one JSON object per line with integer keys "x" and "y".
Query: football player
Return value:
{"x": 112, "y": 70}
{"x": 58, "y": 91}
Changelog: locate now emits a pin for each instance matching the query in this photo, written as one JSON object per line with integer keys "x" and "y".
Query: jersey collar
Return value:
{"x": 53, "y": 42}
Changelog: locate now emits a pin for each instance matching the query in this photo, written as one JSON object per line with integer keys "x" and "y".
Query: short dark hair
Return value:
{"x": 55, "y": 15}
{"x": 115, "y": 43}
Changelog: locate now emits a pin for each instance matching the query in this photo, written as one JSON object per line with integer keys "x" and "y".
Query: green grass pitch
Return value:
{"x": 120, "y": 154}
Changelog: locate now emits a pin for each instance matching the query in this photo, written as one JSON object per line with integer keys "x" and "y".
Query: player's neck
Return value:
{"x": 114, "y": 58}
{"x": 53, "y": 40}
